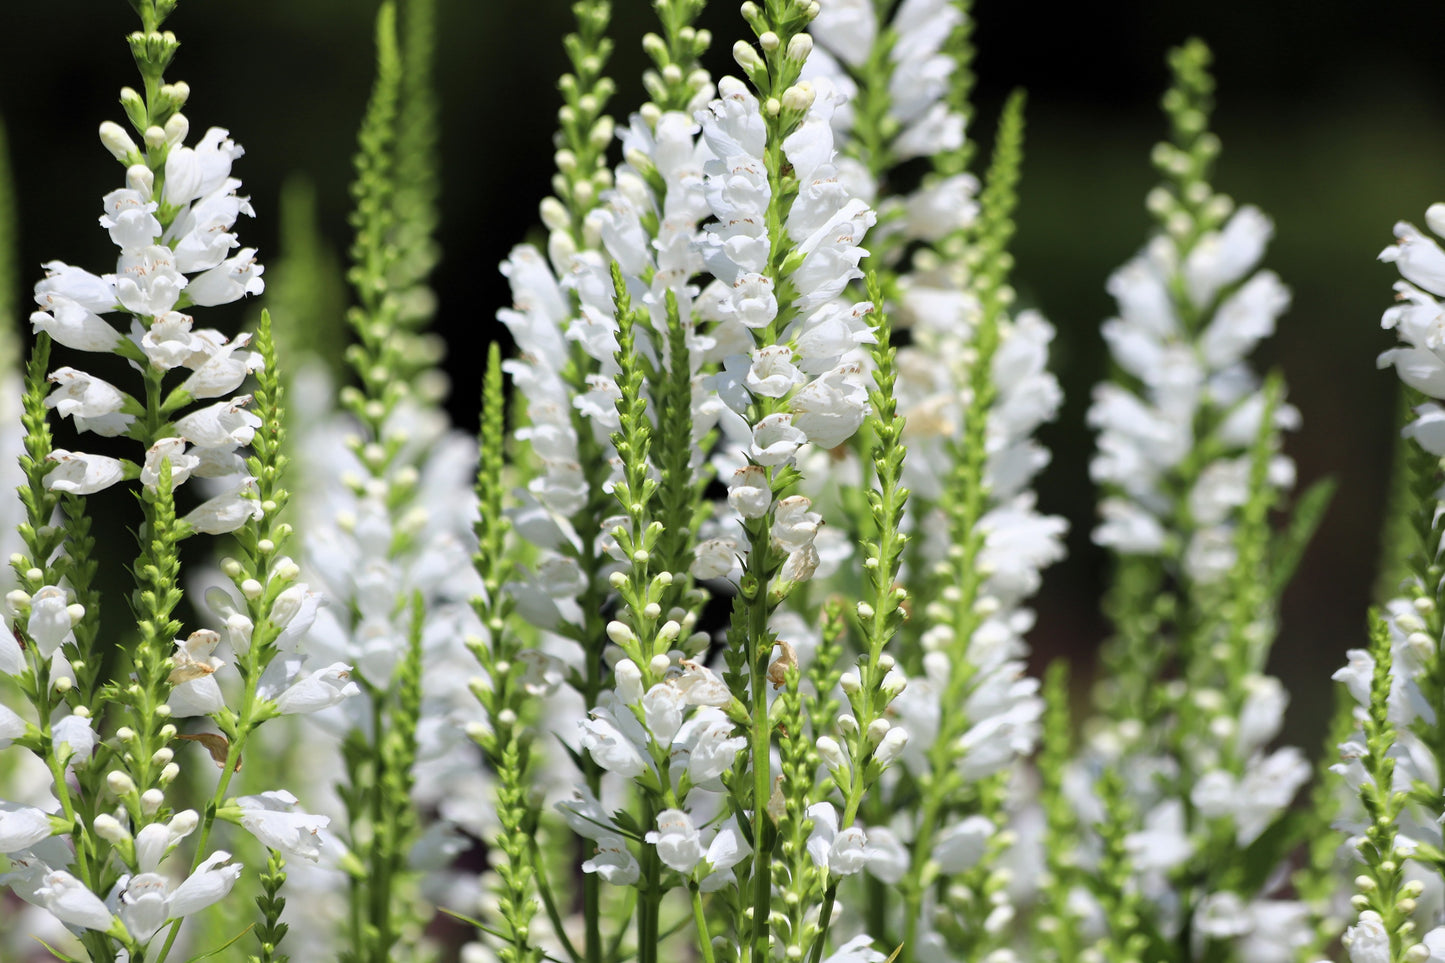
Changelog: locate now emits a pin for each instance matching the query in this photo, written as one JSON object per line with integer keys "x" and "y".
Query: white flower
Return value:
{"x": 209, "y": 884}
{"x": 75, "y": 327}
{"x": 836, "y": 853}
{"x": 225, "y": 424}
{"x": 51, "y": 619}
{"x": 74, "y": 735}
{"x": 227, "y": 511}
{"x": 794, "y": 527}
{"x": 615, "y": 745}
{"x": 195, "y": 172}
{"x": 318, "y": 690}
{"x": 1368, "y": 941}
{"x": 168, "y": 449}
{"x": 22, "y": 827}
{"x": 12, "y": 727}
{"x": 750, "y": 494}
{"x": 715, "y": 558}
{"x": 68, "y": 899}
{"x": 233, "y": 278}
{"x": 773, "y": 374}
{"x": 94, "y": 404}
{"x": 168, "y": 342}
{"x": 727, "y": 849}
{"x": 710, "y": 746}
{"x": 143, "y": 904}
{"x": 962, "y": 845}
{"x": 613, "y": 862}
{"x": 147, "y": 281}
{"x": 82, "y": 474}
{"x": 272, "y": 818}
{"x": 831, "y": 407}
{"x": 224, "y": 369}
{"x": 130, "y": 218}
{"x": 677, "y": 841}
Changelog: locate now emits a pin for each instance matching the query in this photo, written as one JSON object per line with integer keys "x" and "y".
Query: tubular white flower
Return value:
{"x": 836, "y": 853}
{"x": 71, "y": 902}
{"x": 209, "y": 884}
{"x": 227, "y": 511}
{"x": 318, "y": 690}
{"x": 225, "y": 424}
{"x": 677, "y": 840}
{"x": 82, "y": 474}
{"x": 21, "y": 827}
{"x": 272, "y": 818}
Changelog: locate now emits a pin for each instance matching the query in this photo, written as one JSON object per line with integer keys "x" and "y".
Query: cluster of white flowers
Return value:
{"x": 1190, "y": 371}
{"x": 1416, "y": 320}
{"x": 159, "y": 273}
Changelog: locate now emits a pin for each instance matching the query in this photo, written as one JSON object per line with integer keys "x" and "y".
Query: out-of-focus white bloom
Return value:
{"x": 74, "y": 734}
{"x": 613, "y": 862}
{"x": 857, "y": 950}
{"x": 273, "y": 819}
{"x": 1368, "y": 941}
{"x": 22, "y": 827}
{"x": 836, "y": 853}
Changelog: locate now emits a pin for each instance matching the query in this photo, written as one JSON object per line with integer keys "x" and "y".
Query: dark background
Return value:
{"x": 1330, "y": 114}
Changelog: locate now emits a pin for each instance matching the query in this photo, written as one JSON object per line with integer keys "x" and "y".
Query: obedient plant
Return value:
{"x": 714, "y": 645}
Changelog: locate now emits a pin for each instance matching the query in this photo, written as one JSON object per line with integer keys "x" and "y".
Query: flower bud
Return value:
{"x": 118, "y": 142}
{"x": 798, "y": 97}
{"x": 746, "y": 57}
{"x": 120, "y": 783}
{"x": 800, "y": 47}
{"x": 832, "y": 753}
{"x": 892, "y": 744}
{"x": 152, "y": 800}
{"x": 621, "y": 633}
{"x": 107, "y": 827}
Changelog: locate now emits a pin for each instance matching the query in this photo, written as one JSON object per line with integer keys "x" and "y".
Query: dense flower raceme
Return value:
{"x": 1420, "y": 360}
{"x": 1145, "y": 436}
{"x": 160, "y": 272}
{"x": 1179, "y": 430}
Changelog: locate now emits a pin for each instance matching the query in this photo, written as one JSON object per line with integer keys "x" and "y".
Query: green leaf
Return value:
{"x": 1289, "y": 546}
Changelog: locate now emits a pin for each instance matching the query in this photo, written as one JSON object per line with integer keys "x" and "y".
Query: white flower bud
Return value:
{"x": 107, "y": 827}
{"x": 117, "y": 141}
{"x": 169, "y": 774}
{"x": 660, "y": 663}
{"x": 746, "y": 57}
{"x": 832, "y": 753}
{"x": 849, "y": 682}
{"x": 847, "y": 724}
{"x": 176, "y": 129}
{"x": 120, "y": 783}
{"x": 621, "y": 633}
{"x": 892, "y": 744}
{"x": 800, "y": 47}
{"x": 798, "y": 97}
{"x": 151, "y": 800}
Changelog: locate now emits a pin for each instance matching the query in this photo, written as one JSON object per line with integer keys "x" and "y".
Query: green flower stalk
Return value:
{"x": 389, "y": 512}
